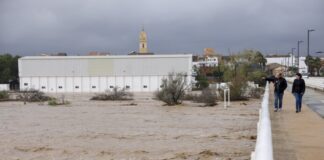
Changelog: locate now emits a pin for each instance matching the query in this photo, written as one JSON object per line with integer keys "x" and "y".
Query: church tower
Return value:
{"x": 143, "y": 42}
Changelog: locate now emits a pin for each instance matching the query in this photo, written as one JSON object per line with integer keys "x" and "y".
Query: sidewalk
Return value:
{"x": 296, "y": 136}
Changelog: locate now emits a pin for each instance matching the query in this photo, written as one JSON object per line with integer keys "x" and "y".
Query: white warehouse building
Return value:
{"x": 137, "y": 73}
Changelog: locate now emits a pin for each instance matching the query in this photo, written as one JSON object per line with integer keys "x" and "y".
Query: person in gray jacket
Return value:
{"x": 280, "y": 84}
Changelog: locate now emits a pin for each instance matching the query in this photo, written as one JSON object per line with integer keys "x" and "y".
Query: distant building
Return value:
{"x": 208, "y": 60}
{"x": 206, "y": 63}
{"x": 288, "y": 61}
{"x": 82, "y": 74}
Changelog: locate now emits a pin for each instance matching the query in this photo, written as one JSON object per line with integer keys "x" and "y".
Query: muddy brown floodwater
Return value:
{"x": 127, "y": 130}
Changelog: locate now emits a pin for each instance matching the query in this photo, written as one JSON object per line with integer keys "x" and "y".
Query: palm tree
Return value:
{"x": 317, "y": 64}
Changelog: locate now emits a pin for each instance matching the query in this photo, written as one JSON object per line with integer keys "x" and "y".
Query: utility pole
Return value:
{"x": 293, "y": 57}
{"x": 308, "y": 31}
{"x": 298, "y": 43}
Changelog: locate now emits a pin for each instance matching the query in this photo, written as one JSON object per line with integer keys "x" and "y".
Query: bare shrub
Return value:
{"x": 190, "y": 97}
{"x": 207, "y": 96}
{"x": 32, "y": 95}
{"x": 256, "y": 92}
{"x": 114, "y": 95}
{"x": 173, "y": 89}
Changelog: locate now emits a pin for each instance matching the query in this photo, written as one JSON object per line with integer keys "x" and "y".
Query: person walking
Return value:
{"x": 298, "y": 90}
{"x": 280, "y": 84}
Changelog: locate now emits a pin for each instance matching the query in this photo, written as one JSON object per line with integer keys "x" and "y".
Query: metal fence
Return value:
{"x": 263, "y": 148}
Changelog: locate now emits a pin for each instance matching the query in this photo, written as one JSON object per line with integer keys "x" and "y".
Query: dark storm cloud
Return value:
{"x": 173, "y": 26}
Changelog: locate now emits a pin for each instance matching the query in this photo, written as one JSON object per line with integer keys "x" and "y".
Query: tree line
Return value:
{"x": 8, "y": 68}
{"x": 314, "y": 65}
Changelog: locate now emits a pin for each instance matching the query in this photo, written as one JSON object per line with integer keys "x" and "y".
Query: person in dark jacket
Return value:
{"x": 298, "y": 89}
{"x": 280, "y": 84}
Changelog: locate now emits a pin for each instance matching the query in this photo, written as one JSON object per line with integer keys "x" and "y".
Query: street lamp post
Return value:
{"x": 298, "y": 43}
{"x": 308, "y": 31}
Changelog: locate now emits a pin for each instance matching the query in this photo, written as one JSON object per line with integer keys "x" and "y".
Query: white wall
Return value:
{"x": 99, "y": 73}
{"x": 302, "y": 65}
{"x": 92, "y": 84}
{"x": 286, "y": 61}
{"x": 4, "y": 87}
{"x": 43, "y": 66}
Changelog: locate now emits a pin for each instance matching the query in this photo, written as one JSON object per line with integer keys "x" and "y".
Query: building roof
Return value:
{"x": 107, "y": 57}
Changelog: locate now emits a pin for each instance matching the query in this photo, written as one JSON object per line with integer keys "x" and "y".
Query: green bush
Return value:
{"x": 256, "y": 77}
{"x": 55, "y": 102}
{"x": 237, "y": 88}
{"x": 202, "y": 82}
{"x": 4, "y": 95}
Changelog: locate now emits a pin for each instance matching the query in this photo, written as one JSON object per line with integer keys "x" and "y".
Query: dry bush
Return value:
{"x": 207, "y": 96}
{"x": 32, "y": 95}
{"x": 173, "y": 90}
{"x": 256, "y": 92}
{"x": 114, "y": 95}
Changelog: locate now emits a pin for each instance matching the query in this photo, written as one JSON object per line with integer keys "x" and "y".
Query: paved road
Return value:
{"x": 314, "y": 100}
{"x": 297, "y": 136}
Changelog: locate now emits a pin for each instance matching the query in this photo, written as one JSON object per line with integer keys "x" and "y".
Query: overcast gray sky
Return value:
{"x": 30, "y": 27}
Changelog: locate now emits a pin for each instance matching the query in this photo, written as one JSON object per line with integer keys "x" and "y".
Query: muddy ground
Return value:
{"x": 127, "y": 130}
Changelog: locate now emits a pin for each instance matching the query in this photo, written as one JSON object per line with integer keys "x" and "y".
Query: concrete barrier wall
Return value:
{"x": 312, "y": 82}
{"x": 263, "y": 148}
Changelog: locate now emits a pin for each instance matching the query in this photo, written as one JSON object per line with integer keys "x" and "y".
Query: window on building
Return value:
{"x": 94, "y": 87}
{"x": 161, "y": 86}
{"x": 60, "y": 87}
{"x": 127, "y": 87}
{"x": 145, "y": 86}
{"x": 77, "y": 87}
{"x": 43, "y": 87}
{"x": 143, "y": 46}
{"x": 111, "y": 86}
{"x": 25, "y": 84}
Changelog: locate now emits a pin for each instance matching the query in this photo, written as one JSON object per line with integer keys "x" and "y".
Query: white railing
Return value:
{"x": 263, "y": 147}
